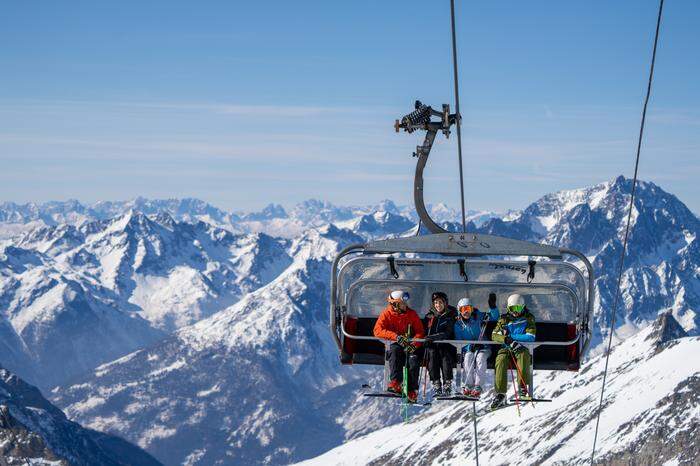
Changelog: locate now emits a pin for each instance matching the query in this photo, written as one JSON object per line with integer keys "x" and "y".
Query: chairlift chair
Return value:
{"x": 461, "y": 264}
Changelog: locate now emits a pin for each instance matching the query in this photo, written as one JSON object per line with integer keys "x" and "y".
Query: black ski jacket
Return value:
{"x": 441, "y": 326}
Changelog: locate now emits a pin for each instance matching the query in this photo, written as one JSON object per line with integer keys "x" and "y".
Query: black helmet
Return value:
{"x": 439, "y": 295}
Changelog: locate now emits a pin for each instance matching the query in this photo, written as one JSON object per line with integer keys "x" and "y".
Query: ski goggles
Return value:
{"x": 466, "y": 309}
{"x": 516, "y": 308}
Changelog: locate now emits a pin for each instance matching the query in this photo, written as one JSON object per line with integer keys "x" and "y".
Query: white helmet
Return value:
{"x": 516, "y": 300}
{"x": 398, "y": 295}
{"x": 463, "y": 302}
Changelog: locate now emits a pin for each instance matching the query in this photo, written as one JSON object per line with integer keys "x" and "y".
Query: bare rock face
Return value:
{"x": 666, "y": 329}
{"x": 33, "y": 431}
{"x": 19, "y": 446}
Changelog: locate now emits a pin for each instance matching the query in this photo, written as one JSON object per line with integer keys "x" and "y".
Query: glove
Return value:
{"x": 515, "y": 346}
{"x": 409, "y": 348}
{"x": 492, "y": 301}
{"x": 431, "y": 338}
{"x": 403, "y": 341}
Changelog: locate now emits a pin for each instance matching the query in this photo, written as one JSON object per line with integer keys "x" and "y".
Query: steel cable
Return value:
{"x": 459, "y": 115}
{"x": 627, "y": 228}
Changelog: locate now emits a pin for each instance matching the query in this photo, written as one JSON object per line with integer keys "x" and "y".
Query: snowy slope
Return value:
{"x": 33, "y": 431}
{"x": 651, "y": 414}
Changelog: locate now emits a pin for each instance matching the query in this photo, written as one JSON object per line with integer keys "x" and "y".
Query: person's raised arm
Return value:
{"x": 493, "y": 313}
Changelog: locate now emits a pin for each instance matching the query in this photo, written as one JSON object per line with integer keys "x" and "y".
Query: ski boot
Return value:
{"x": 437, "y": 388}
{"x": 475, "y": 392}
{"x": 467, "y": 390}
{"x": 499, "y": 401}
{"x": 412, "y": 396}
{"x": 394, "y": 387}
{"x": 447, "y": 388}
{"x": 522, "y": 393}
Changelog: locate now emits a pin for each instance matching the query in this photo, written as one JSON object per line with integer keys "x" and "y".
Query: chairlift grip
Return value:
{"x": 392, "y": 266}
{"x": 531, "y": 273}
{"x": 462, "y": 270}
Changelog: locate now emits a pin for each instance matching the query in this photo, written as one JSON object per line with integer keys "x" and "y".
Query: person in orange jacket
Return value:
{"x": 400, "y": 324}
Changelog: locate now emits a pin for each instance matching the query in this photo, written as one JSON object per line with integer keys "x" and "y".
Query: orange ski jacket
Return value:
{"x": 391, "y": 324}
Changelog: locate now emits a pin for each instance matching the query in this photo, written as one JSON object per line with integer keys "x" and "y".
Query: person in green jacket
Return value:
{"x": 515, "y": 327}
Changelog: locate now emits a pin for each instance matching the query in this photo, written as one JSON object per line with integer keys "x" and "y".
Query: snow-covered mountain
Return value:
{"x": 175, "y": 272}
{"x": 256, "y": 382}
{"x": 74, "y": 212}
{"x": 33, "y": 431}
{"x": 57, "y": 322}
{"x": 650, "y": 415}
{"x": 78, "y": 296}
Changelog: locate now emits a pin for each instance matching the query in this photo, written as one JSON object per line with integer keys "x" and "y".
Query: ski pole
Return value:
{"x": 520, "y": 373}
{"x": 515, "y": 388}
{"x": 424, "y": 368}
{"x": 404, "y": 384}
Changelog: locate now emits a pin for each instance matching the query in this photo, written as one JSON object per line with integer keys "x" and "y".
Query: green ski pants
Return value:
{"x": 504, "y": 361}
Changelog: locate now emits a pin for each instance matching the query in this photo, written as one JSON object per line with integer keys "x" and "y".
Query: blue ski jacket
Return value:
{"x": 470, "y": 329}
{"x": 521, "y": 328}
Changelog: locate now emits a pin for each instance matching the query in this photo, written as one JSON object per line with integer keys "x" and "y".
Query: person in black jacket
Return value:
{"x": 439, "y": 325}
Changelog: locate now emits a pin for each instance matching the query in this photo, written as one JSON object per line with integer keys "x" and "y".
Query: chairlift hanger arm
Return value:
{"x": 421, "y": 119}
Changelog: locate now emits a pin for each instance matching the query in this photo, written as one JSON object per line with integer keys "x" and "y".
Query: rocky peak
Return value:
{"x": 665, "y": 329}
{"x": 34, "y": 431}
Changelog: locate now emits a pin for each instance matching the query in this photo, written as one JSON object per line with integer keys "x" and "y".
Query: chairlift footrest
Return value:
{"x": 456, "y": 398}
{"x": 527, "y": 399}
{"x": 382, "y": 395}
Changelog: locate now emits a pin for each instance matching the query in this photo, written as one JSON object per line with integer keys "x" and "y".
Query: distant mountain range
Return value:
{"x": 202, "y": 336}
{"x": 16, "y": 219}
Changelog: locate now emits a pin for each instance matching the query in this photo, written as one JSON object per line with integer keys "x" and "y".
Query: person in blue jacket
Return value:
{"x": 516, "y": 327}
{"x": 471, "y": 325}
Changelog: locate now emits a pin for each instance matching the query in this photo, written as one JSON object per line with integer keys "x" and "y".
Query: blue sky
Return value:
{"x": 246, "y": 103}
